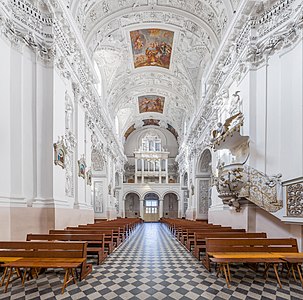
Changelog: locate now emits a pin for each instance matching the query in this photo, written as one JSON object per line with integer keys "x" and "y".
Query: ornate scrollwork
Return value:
{"x": 238, "y": 182}
{"x": 294, "y": 194}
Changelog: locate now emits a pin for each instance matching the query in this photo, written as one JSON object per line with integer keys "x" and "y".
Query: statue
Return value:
{"x": 223, "y": 128}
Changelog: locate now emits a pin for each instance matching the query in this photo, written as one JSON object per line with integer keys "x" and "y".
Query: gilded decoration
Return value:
{"x": 81, "y": 167}
{"x": 151, "y": 103}
{"x": 60, "y": 153}
{"x": 152, "y": 47}
{"x": 294, "y": 194}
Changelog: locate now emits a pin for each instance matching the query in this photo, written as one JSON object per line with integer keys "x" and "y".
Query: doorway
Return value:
{"x": 132, "y": 206}
{"x": 151, "y": 207}
{"x": 170, "y": 206}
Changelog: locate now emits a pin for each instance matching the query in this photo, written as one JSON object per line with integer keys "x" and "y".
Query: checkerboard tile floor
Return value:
{"x": 151, "y": 264}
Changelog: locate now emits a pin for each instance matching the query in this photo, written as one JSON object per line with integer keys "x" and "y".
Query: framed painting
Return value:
{"x": 152, "y": 47}
{"x": 81, "y": 167}
{"x": 151, "y": 103}
{"x": 60, "y": 153}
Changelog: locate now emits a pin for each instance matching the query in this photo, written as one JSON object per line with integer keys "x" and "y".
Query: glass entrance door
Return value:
{"x": 151, "y": 211}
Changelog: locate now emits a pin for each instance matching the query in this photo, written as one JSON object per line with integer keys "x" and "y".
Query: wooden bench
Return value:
{"x": 95, "y": 242}
{"x": 109, "y": 243}
{"x": 200, "y": 241}
{"x": 259, "y": 250}
{"x": 36, "y": 255}
{"x": 189, "y": 236}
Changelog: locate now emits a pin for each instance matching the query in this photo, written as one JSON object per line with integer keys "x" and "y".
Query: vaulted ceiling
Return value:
{"x": 152, "y": 54}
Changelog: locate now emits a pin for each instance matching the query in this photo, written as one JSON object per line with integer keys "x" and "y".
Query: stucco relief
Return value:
{"x": 98, "y": 197}
{"x": 204, "y": 196}
{"x": 294, "y": 196}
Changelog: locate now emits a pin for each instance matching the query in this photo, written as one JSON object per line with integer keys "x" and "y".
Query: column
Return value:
{"x": 141, "y": 208}
{"x": 160, "y": 208}
{"x": 159, "y": 162}
{"x": 166, "y": 169}
{"x": 142, "y": 170}
{"x": 136, "y": 170}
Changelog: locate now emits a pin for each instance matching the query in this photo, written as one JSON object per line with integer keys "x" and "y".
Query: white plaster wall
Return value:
{"x": 169, "y": 141}
{"x": 5, "y": 130}
{"x": 291, "y": 118}
{"x": 59, "y": 131}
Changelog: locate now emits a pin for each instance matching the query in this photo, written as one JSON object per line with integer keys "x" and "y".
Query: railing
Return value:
{"x": 238, "y": 182}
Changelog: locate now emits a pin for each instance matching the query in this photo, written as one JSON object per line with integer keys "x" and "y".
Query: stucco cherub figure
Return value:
{"x": 223, "y": 128}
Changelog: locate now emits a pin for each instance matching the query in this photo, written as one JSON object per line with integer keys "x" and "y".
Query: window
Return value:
{"x": 151, "y": 143}
{"x": 153, "y": 203}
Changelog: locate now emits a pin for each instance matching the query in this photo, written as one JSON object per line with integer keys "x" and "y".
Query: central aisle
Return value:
{"x": 152, "y": 264}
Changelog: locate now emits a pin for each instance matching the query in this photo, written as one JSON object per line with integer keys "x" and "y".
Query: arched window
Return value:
{"x": 151, "y": 143}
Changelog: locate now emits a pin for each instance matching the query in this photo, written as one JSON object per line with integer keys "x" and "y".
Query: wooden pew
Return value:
{"x": 200, "y": 241}
{"x": 95, "y": 242}
{"x": 119, "y": 231}
{"x": 188, "y": 237}
{"x": 109, "y": 242}
{"x": 232, "y": 250}
{"x": 36, "y": 255}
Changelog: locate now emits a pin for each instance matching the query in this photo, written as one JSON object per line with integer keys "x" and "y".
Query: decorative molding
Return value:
{"x": 98, "y": 197}
{"x": 237, "y": 181}
{"x": 294, "y": 199}
{"x": 253, "y": 39}
{"x": 204, "y": 195}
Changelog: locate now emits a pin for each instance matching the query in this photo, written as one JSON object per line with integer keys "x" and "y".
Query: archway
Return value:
{"x": 170, "y": 205}
{"x": 151, "y": 207}
{"x": 203, "y": 179}
{"x": 132, "y": 206}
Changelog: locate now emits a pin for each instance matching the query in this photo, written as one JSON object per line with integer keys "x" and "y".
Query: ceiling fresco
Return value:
{"x": 172, "y": 130}
{"x": 129, "y": 131}
{"x": 126, "y": 38}
{"x": 152, "y": 47}
{"x": 151, "y": 103}
{"x": 153, "y": 122}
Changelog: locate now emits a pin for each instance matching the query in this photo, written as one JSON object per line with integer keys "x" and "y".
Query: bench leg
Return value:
{"x": 225, "y": 266}
{"x": 300, "y": 274}
{"x": 277, "y": 274}
{"x": 68, "y": 277}
{"x": 8, "y": 279}
{"x": 3, "y": 276}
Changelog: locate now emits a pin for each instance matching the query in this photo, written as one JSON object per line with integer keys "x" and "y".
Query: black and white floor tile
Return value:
{"x": 151, "y": 264}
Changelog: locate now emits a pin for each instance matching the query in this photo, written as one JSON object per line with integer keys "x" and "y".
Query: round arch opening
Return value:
{"x": 151, "y": 207}
{"x": 132, "y": 205}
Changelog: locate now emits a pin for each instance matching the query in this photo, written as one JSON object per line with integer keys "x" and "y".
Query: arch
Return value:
{"x": 204, "y": 163}
{"x": 132, "y": 205}
{"x": 132, "y": 192}
{"x": 171, "y": 192}
{"x": 151, "y": 192}
{"x": 170, "y": 205}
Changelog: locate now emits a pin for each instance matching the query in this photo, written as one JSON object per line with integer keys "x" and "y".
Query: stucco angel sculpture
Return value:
{"x": 223, "y": 128}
